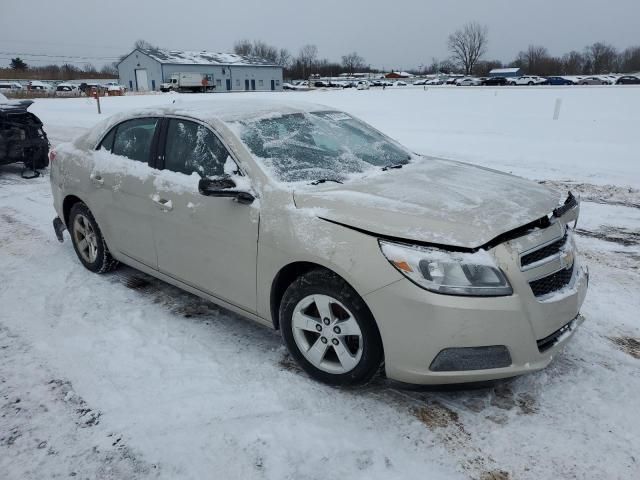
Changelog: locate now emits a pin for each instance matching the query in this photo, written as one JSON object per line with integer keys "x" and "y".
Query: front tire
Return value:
{"x": 88, "y": 241}
{"x": 329, "y": 330}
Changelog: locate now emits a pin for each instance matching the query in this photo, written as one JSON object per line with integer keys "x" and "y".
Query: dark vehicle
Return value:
{"x": 22, "y": 138}
{"x": 494, "y": 81}
{"x": 559, "y": 81}
{"x": 628, "y": 80}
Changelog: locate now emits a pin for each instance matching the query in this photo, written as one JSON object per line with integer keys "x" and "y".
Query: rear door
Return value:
{"x": 210, "y": 243}
{"x": 128, "y": 181}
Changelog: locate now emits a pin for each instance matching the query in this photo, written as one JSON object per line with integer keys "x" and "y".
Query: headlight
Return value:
{"x": 452, "y": 273}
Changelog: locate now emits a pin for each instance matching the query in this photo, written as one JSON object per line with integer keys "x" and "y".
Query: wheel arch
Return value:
{"x": 286, "y": 276}
{"x": 67, "y": 204}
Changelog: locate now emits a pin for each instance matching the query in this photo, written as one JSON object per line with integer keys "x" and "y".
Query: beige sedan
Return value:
{"x": 310, "y": 221}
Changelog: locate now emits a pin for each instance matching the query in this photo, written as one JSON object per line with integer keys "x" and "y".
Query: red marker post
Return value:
{"x": 94, "y": 94}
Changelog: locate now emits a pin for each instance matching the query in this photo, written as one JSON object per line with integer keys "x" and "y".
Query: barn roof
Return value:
{"x": 203, "y": 58}
{"x": 505, "y": 70}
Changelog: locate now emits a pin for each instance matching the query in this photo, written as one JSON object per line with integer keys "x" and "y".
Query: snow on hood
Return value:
{"x": 434, "y": 201}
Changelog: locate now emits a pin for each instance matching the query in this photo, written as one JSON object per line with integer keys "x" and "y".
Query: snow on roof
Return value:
{"x": 203, "y": 58}
{"x": 238, "y": 109}
{"x": 505, "y": 70}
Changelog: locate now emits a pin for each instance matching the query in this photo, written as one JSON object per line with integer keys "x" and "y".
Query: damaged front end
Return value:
{"x": 22, "y": 138}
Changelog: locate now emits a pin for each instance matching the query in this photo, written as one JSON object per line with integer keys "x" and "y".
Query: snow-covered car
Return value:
{"x": 362, "y": 85}
{"x": 400, "y": 83}
{"x": 67, "y": 89}
{"x": 37, "y": 85}
{"x": 10, "y": 86}
{"x": 628, "y": 80}
{"x": 468, "y": 82}
{"x": 529, "y": 80}
{"x": 310, "y": 221}
{"x": 422, "y": 81}
{"x": 594, "y": 81}
{"x": 22, "y": 138}
{"x": 435, "y": 81}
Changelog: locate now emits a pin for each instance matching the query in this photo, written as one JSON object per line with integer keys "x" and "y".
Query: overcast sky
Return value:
{"x": 398, "y": 34}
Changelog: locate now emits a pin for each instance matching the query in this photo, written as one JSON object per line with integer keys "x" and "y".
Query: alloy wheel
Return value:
{"x": 327, "y": 334}
{"x": 85, "y": 238}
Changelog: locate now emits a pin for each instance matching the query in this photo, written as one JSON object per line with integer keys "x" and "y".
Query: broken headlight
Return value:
{"x": 452, "y": 273}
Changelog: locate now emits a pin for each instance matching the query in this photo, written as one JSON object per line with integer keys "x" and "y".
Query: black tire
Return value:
{"x": 325, "y": 282}
{"x": 103, "y": 262}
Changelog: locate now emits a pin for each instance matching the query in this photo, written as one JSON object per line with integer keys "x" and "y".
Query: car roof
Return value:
{"x": 231, "y": 109}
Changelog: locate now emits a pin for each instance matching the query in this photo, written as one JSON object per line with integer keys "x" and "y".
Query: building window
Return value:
{"x": 237, "y": 82}
{"x": 278, "y": 82}
{"x": 218, "y": 83}
{"x": 224, "y": 72}
{"x": 260, "y": 83}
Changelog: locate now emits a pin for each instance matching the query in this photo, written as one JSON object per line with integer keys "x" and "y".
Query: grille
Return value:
{"x": 551, "y": 283}
{"x": 544, "y": 252}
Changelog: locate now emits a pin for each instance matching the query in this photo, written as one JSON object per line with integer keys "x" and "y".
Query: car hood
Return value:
{"x": 432, "y": 200}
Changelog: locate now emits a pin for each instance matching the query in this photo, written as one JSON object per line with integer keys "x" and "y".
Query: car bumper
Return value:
{"x": 417, "y": 325}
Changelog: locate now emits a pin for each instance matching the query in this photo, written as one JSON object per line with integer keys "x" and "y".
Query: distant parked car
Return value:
{"x": 594, "y": 81}
{"x": 422, "y": 81}
{"x": 559, "y": 81}
{"x": 468, "y": 82}
{"x": 628, "y": 80}
{"x": 452, "y": 80}
{"x": 10, "y": 86}
{"x": 494, "y": 81}
{"x": 435, "y": 81}
{"x": 401, "y": 83}
{"x": 528, "y": 80}
{"x": 67, "y": 89}
{"x": 362, "y": 85}
{"x": 38, "y": 85}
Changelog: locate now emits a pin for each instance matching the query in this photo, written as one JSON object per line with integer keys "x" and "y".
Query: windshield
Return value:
{"x": 320, "y": 145}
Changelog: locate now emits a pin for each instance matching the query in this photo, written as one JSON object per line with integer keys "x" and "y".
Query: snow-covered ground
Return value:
{"x": 122, "y": 376}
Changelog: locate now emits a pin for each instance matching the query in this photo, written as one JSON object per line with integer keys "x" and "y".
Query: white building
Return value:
{"x": 146, "y": 69}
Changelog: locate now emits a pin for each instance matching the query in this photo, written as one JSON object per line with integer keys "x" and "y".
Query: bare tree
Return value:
{"x": 468, "y": 45}
{"x": 533, "y": 59}
{"x": 602, "y": 57}
{"x": 144, "y": 45}
{"x": 629, "y": 60}
{"x": 243, "y": 47}
{"x": 307, "y": 57}
{"x": 572, "y": 63}
{"x": 284, "y": 58}
{"x": 352, "y": 62}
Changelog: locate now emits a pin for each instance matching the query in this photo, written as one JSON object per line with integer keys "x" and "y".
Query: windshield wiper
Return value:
{"x": 324, "y": 180}
{"x": 393, "y": 165}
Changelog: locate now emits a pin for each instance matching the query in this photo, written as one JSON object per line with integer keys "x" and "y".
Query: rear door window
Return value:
{"x": 133, "y": 138}
{"x": 192, "y": 147}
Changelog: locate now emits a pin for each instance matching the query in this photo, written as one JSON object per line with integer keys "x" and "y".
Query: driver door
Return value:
{"x": 209, "y": 243}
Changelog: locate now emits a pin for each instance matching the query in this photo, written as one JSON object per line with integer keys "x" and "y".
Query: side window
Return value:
{"x": 133, "y": 138}
{"x": 192, "y": 147}
{"x": 107, "y": 142}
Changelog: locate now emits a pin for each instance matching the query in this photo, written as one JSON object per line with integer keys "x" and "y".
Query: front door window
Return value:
{"x": 192, "y": 147}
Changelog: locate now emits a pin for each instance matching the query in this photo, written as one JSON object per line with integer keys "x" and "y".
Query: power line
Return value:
{"x": 59, "y": 56}
{"x": 44, "y": 60}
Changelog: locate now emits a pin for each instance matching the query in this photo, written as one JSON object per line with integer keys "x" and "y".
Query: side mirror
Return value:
{"x": 223, "y": 187}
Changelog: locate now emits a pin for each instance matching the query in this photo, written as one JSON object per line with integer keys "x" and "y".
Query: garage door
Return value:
{"x": 142, "y": 81}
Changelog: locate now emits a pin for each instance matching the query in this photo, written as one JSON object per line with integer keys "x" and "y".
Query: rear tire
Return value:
{"x": 88, "y": 241}
{"x": 329, "y": 330}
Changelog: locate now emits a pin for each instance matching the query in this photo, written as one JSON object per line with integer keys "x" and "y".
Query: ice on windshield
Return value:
{"x": 320, "y": 145}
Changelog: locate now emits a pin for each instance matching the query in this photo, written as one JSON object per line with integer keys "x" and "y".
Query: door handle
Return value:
{"x": 162, "y": 203}
{"x": 97, "y": 179}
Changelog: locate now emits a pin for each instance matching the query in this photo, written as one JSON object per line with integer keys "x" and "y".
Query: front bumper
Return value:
{"x": 416, "y": 325}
